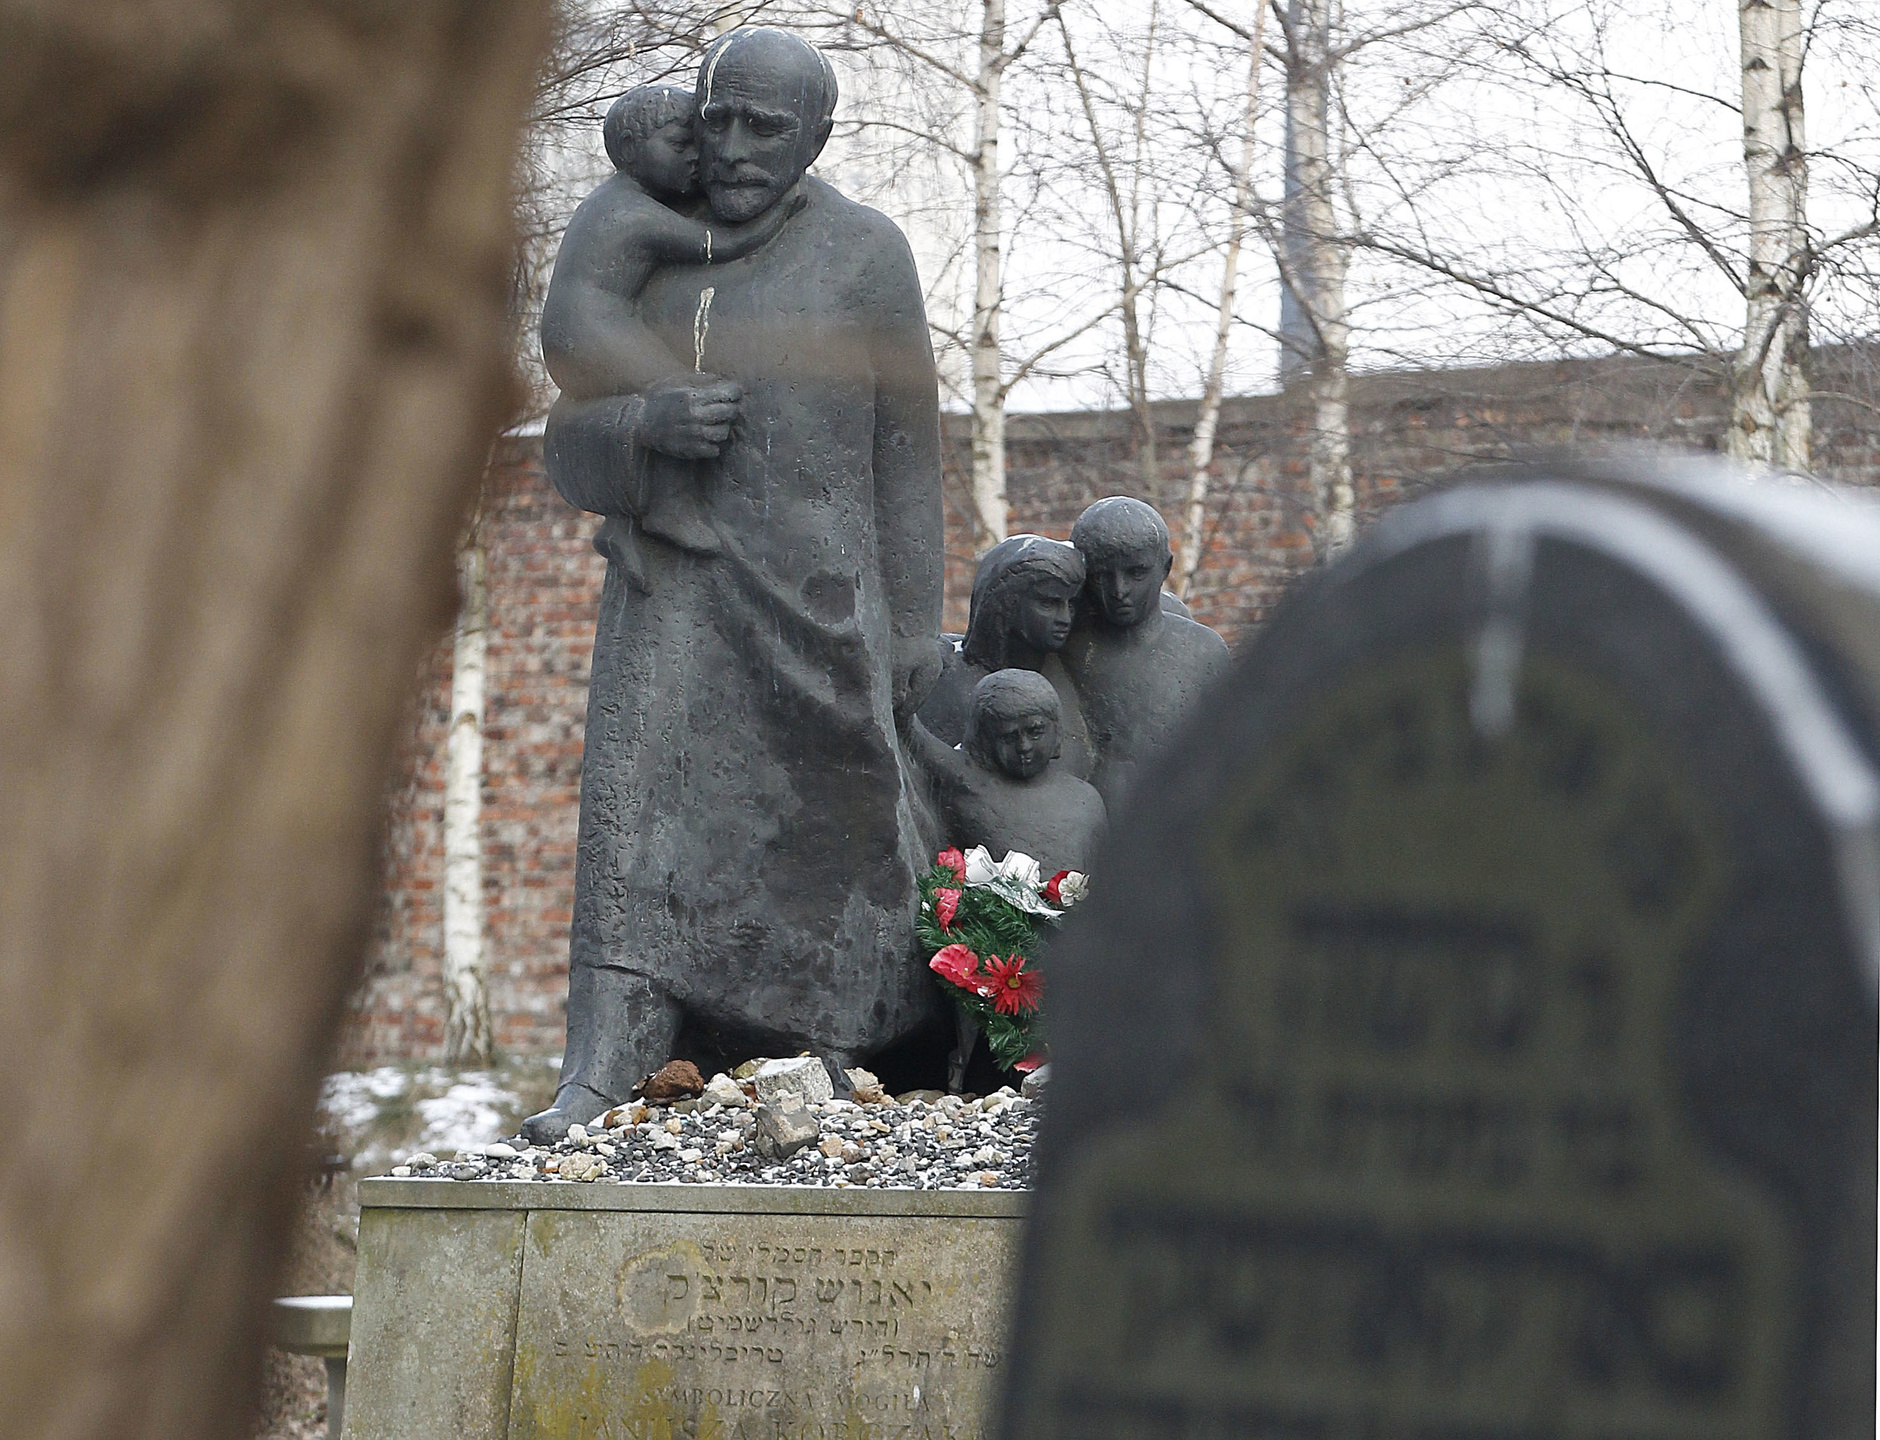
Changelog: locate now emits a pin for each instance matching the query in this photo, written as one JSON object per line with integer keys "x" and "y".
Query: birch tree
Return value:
{"x": 466, "y": 981}
{"x": 1207, "y": 421}
{"x": 1314, "y": 333}
{"x": 1769, "y": 410}
{"x": 1136, "y": 251}
{"x": 995, "y": 50}
{"x": 1600, "y": 206}
{"x": 256, "y": 342}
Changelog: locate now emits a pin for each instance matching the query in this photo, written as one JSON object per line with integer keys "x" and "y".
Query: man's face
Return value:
{"x": 666, "y": 163}
{"x": 1045, "y": 610}
{"x": 1128, "y": 585}
{"x": 1024, "y": 746}
{"x": 752, "y": 135}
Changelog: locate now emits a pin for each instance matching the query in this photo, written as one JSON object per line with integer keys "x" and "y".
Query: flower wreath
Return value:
{"x": 982, "y": 922}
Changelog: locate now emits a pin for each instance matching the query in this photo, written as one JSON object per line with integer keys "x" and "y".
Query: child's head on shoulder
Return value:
{"x": 651, "y": 133}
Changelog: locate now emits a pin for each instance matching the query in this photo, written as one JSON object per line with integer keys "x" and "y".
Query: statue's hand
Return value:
{"x": 689, "y": 418}
{"x": 917, "y": 665}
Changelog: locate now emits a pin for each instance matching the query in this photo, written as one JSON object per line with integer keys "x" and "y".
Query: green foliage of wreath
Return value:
{"x": 988, "y": 925}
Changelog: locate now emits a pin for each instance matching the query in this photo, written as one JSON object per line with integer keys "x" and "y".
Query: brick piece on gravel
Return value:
{"x": 675, "y": 1080}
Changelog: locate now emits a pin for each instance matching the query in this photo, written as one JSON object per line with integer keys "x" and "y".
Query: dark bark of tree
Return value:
{"x": 254, "y": 261}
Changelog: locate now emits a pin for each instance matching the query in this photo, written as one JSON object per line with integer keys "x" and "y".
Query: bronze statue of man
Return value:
{"x": 748, "y": 844}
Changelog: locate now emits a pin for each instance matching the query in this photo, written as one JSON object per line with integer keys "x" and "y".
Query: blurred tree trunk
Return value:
{"x": 466, "y": 983}
{"x": 253, "y": 344}
{"x": 1770, "y": 412}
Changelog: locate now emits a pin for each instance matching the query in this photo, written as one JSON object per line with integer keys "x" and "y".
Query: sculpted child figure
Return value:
{"x": 594, "y": 341}
{"x": 1137, "y": 664}
{"x": 1024, "y": 602}
{"x": 1002, "y": 789}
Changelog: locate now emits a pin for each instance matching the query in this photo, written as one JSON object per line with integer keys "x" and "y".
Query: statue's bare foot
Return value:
{"x": 574, "y": 1105}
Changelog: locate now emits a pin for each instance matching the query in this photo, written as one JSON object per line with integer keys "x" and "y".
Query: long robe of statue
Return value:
{"x": 748, "y": 841}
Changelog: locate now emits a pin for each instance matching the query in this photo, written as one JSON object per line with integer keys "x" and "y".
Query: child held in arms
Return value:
{"x": 1136, "y": 661}
{"x": 593, "y": 340}
{"x": 1001, "y": 789}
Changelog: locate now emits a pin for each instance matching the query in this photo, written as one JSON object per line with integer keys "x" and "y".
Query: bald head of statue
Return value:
{"x": 766, "y": 101}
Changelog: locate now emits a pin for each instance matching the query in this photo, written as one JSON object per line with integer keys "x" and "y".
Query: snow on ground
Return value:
{"x": 351, "y": 1100}
{"x": 378, "y": 1117}
{"x": 474, "y": 1111}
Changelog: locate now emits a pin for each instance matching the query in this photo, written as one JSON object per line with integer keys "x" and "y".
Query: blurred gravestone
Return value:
{"x": 1473, "y": 1032}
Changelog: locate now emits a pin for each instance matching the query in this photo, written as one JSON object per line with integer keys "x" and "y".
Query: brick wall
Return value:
{"x": 544, "y": 581}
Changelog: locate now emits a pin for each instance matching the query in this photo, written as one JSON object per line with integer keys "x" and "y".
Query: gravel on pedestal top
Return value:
{"x": 923, "y": 1140}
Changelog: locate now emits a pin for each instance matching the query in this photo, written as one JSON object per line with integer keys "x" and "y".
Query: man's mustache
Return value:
{"x": 736, "y": 175}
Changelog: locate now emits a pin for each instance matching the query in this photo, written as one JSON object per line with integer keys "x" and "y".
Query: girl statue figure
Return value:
{"x": 1024, "y": 602}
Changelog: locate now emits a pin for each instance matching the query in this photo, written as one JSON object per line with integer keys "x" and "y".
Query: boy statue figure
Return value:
{"x": 594, "y": 342}
{"x": 1136, "y": 664}
{"x": 1001, "y": 788}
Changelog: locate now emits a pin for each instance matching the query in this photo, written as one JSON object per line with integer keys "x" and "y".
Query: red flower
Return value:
{"x": 955, "y": 861}
{"x": 1031, "y": 1062}
{"x": 946, "y": 904}
{"x": 957, "y": 964}
{"x": 1013, "y": 988}
{"x": 1052, "y": 890}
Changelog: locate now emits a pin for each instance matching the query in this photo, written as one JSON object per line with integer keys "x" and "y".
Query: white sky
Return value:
{"x": 1453, "y": 147}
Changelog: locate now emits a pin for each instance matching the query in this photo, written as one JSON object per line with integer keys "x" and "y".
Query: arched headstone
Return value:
{"x": 1473, "y": 1034}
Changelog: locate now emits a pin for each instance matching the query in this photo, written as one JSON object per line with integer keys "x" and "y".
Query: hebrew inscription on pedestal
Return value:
{"x": 1513, "y": 1001}
{"x": 657, "y": 1327}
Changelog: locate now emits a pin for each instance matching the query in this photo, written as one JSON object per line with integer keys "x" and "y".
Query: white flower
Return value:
{"x": 1072, "y": 888}
{"x": 1017, "y": 878}
{"x": 1021, "y": 869}
{"x": 980, "y": 869}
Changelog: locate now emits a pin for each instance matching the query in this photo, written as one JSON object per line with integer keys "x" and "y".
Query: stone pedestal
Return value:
{"x": 489, "y": 1309}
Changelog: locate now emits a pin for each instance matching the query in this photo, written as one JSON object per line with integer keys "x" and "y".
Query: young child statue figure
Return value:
{"x": 593, "y": 340}
{"x": 1001, "y": 788}
{"x": 1136, "y": 661}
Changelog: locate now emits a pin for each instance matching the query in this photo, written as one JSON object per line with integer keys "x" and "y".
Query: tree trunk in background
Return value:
{"x": 466, "y": 988}
{"x": 1770, "y": 415}
{"x": 1129, "y": 234}
{"x": 1313, "y": 330}
{"x": 1125, "y": 212}
{"x": 254, "y": 262}
{"x": 989, "y": 507}
{"x": 1201, "y": 449}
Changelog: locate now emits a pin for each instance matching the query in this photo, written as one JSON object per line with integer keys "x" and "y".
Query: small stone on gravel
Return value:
{"x": 723, "y": 1090}
{"x": 805, "y": 1076}
{"x": 581, "y": 1166}
{"x": 782, "y": 1131}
